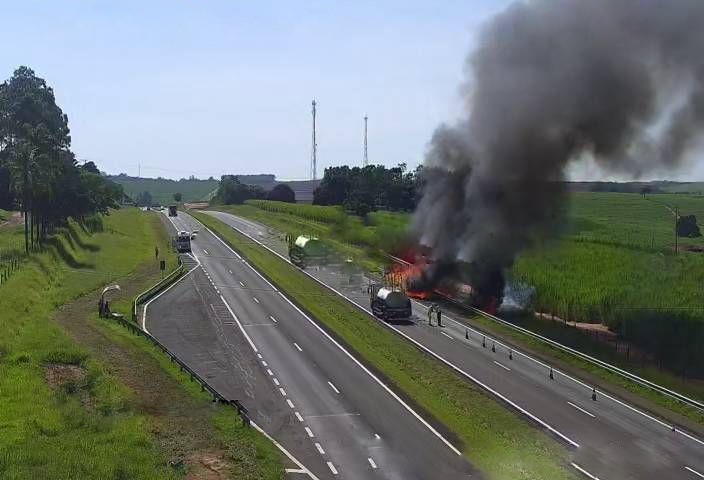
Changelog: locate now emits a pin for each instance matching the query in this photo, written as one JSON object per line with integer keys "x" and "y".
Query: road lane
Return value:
{"x": 353, "y": 422}
{"x": 618, "y": 442}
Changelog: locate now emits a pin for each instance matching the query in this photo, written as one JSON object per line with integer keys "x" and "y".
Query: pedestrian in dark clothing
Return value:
{"x": 439, "y": 313}
{"x": 430, "y": 315}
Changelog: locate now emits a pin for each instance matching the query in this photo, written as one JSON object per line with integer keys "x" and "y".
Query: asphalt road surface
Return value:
{"x": 611, "y": 439}
{"x": 329, "y": 412}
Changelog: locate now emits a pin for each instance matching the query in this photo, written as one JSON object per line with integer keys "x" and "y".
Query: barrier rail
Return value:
{"x": 583, "y": 356}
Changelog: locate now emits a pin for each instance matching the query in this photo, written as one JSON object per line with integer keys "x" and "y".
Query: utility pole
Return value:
{"x": 365, "y": 160}
{"x": 677, "y": 216}
{"x": 139, "y": 169}
{"x": 314, "y": 159}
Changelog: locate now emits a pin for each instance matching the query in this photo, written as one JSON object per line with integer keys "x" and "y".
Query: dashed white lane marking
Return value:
{"x": 273, "y": 319}
{"x": 502, "y": 366}
{"x": 290, "y": 403}
{"x": 268, "y": 370}
{"x": 230, "y": 272}
{"x": 448, "y": 336}
{"x": 255, "y": 299}
{"x": 283, "y": 392}
{"x": 700, "y": 475}
{"x": 249, "y": 340}
{"x": 298, "y": 417}
{"x": 333, "y": 387}
{"x": 205, "y": 251}
{"x": 242, "y": 284}
{"x": 264, "y": 363}
{"x": 309, "y": 432}
{"x": 581, "y": 409}
{"x": 376, "y": 435}
{"x": 259, "y": 355}
{"x": 332, "y": 468}
{"x": 320, "y": 449}
{"x": 371, "y": 462}
{"x": 276, "y": 382}
{"x": 583, "y": 471}
{"x": 296, "y": 345}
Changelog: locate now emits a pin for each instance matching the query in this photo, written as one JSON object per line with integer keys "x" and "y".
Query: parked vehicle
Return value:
{"x": 388, "y": 303}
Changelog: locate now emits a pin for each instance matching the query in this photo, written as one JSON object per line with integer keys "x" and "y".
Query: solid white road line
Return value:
{"x": 309, "y": 432}
{"x": 332, "y": 468}
{"x": 584, "y": 472}
{"x": 298, "y": 416}
{"x": 700, "y": 475}
{"x": 333, "y": 387}
{"x": 286, "y": 452}
{"x": 371, "y": 462}
{"x": 448, "y": 336}
{"x": 320, "y": 448}
{"x": 502, "y": 366}
{"x": 340, "y": 347}
{"x": 249, "y": 340}
{"x": 581, "y": 409}
{"x": 290, "y": 403}
{"x": 273, "y": 319}
{"x": 296, "y": 345}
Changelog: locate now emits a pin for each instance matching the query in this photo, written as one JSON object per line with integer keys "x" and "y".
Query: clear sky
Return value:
{"x": 212, "y": 87}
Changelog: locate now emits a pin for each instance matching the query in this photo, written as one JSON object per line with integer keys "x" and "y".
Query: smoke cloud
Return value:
{"x": 550, "y": 82}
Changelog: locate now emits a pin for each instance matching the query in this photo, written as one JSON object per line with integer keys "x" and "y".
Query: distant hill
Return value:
{"x": 163, "y": 189}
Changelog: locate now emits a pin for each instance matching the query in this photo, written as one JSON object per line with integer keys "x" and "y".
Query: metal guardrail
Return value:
{"x": 154, "y": 289}
{"x": 583, "y": 356}
{"x": 183, "y": 366}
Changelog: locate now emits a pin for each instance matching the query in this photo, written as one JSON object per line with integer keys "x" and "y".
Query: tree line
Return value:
{"x": 370, "y": 188}
{"x": 39, "y": 174}
{"x": 232, "y": 191}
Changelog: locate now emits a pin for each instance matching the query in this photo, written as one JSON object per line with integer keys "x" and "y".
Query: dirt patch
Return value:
{"x": 180, "y": 424}
{"x": 207, "y": 466}
{"x": 690, "y": 248}
{"x": 59, "y": 375}
{"x": 14, "y": 220}
{"x": 587, "y": 327}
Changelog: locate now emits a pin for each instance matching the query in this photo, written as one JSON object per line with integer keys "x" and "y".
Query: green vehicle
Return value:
{"x": 306, "y": 250}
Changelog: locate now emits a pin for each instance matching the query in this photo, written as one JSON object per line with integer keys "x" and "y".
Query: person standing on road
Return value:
{"x": 430, "y": 315}
{"x": 439, "y": 314}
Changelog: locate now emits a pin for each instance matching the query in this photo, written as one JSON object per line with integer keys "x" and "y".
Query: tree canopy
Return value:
{"x": 282, "y": 193}
{"x": 369, "y": 188}
{"x": 38, "y": 171}
{"x": 232, "y": 191}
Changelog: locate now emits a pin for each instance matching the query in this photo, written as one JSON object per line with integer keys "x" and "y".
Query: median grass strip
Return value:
{"x": 493, "y": 438}
{"x": 93, "y": 404}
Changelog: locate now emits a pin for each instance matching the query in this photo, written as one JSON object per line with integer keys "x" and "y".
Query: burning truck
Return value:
{"x": 422, "y": 277}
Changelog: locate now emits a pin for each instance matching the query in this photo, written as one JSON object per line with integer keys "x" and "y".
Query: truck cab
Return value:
{"x": 183, "y": 242}
{"x": 172, "y": 211}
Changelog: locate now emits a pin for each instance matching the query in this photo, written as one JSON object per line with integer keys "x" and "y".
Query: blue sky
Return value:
{"x": 214, "y": 87}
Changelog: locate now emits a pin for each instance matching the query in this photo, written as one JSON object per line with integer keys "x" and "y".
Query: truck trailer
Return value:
{"x": 389, "y": 303}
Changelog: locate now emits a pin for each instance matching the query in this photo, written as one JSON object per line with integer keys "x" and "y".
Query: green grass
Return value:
{"x": 163, "y": 189}
{"x": 495, "y": 440}
{"x": 4, "y": 215}
{"x": 53, "y": 433}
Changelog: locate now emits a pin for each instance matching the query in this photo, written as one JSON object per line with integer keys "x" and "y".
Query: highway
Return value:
{"x": 610, "y": 439}
{"x": 331, "y": 414}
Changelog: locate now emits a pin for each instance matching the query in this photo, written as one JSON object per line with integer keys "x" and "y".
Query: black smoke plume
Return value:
{"x": 553, "y": 82}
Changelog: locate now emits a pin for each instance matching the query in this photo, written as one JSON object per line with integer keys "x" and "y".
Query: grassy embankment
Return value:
{"x": 494, "y": 439}
{"x": 71, "y": 404}
{"x": 615, "y": 251}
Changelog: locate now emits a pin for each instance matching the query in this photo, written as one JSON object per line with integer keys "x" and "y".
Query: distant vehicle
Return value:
{"x": 307, "y": 251}
{"x": 172, "y": 211}
{"x": 388, "y": 303}
{"x": 183, "y": 242}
